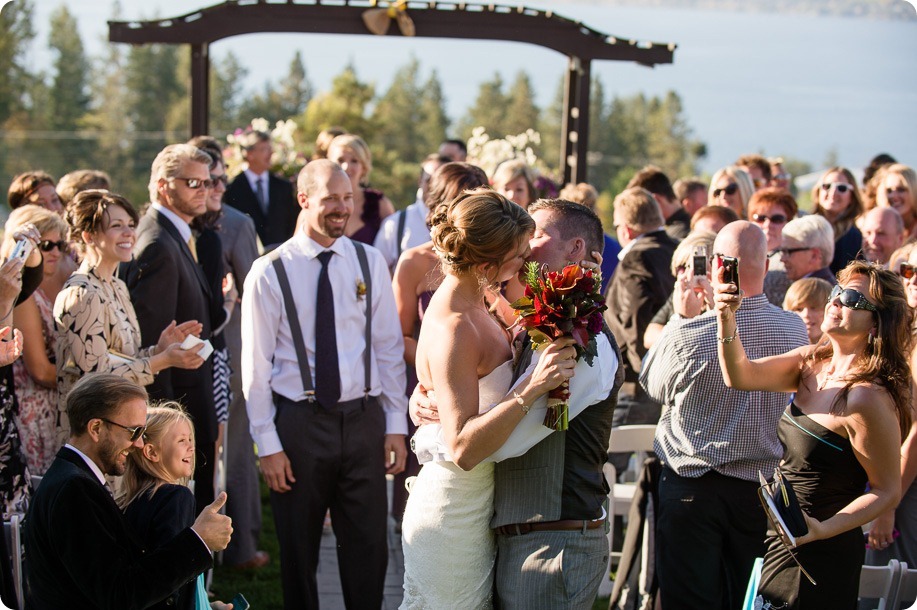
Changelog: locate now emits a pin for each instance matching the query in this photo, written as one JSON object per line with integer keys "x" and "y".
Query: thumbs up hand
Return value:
{"x": 213, "y": 528}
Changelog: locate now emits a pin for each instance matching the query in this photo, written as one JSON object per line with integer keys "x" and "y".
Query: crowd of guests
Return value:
{"x": 801, "y": 363}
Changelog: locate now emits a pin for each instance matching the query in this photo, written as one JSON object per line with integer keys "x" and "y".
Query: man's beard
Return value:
{"x": 113, "y": 463}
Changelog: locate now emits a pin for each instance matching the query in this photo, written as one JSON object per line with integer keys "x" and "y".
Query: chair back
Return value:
{"x": 12, "y": 536}
{"x": 632, "y": 439}
{"x": 907, "y": 591}
{"x": 882, "y": 583}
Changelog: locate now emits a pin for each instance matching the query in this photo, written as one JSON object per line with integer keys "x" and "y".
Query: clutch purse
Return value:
{"x": 779, "y": 500}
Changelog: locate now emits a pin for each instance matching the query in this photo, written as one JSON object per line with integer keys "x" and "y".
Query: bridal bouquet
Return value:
{"x": 557, "y": 304}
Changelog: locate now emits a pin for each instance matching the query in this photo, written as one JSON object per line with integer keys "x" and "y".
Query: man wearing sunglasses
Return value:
{"x": 883, "y": 233}
{"x": 166, "y": 283}
{"x": 81, "y": 552}
{"x": 808, "y": 248}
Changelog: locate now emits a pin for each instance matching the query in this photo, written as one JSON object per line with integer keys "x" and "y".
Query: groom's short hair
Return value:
{"x": 574, "y": 220}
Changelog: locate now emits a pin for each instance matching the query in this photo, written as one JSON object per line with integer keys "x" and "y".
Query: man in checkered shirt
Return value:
{"x": 713, "y": 440}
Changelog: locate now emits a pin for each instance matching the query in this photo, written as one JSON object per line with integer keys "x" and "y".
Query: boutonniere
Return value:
{"x": 361, "y": 290}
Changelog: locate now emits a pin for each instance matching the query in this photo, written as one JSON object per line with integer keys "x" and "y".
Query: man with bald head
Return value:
{"x": 883, "y": 233}
{"x": 713, "y": 440}
{"x": 323, "y": 378}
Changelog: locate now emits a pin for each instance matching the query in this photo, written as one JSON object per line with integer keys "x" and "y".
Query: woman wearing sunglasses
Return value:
{"x": 97, "y": 329}
{"x": 837, "y": 198}
{"x": 896, "y": 187}
{"x": 731, "y": 187}
{"x": 893, "y": 535}
{"x": 34, "y": 375}
{"x": 842, "y": 430}
{"x": 771, "y": 208}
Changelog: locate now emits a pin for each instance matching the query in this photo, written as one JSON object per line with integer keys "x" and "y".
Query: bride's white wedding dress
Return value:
{"x": 449, "y": 549}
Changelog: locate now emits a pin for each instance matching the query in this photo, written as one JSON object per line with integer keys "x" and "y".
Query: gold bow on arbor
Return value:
{"x": 377, "y": 20}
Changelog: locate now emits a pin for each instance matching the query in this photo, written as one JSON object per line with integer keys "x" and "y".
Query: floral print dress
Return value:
{"x": 97, "y": 332}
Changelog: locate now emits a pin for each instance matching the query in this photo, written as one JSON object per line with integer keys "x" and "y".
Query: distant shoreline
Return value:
{"x": 890, "y": 10}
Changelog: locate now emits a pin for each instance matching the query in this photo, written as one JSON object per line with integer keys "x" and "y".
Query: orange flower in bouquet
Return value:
{"x": 557, "y": 304}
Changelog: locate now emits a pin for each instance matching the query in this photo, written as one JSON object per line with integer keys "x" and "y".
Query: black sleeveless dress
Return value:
{"x": 826, "y": 475}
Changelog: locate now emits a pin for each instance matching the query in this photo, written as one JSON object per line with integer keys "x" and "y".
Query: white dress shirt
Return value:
{"x": 92, "y": 465}
{"x": 184, "y": 229}
{"x": 589, "y": 385}
{"x": 416, "y": 232}
{"x": 269, "y": 362}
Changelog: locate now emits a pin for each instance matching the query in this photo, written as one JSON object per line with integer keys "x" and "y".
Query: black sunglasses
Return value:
{"x": 729, "y": 190}
{"x": 224, "y": 179}
{"x": 906, "y": 271}
{"x": 46, "y": 246}
{"x": 777, "y": 219}
{"x": 135, "y": 432}
{"x": 841, "y": 187}
{"x": 790, "y": 250}
{"x": 196, "y": 183}
{"x": 851, "y": 298}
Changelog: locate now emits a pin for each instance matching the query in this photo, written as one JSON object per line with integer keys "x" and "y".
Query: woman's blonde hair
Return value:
{"x": 43, "y": 219}
{"x": 741, "y": 178}
{"x": 143, "y": 475}
{"x": 480, "y": 226}
{"x": 358, "y": 147}
{"x": 843, "y": 222}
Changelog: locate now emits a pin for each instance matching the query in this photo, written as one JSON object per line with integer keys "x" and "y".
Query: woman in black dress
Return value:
{"x": 842, "y": 430}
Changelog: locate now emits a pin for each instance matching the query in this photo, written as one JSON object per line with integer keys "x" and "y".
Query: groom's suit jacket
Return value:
{"x": 560, "y": 477}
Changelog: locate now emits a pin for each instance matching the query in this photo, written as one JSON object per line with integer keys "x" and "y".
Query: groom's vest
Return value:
{"x": 560, "y": 477}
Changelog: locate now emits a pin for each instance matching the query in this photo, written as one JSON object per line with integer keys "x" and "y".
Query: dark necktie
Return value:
{"x": 262, "y": 199}
{"x": 327, "y": 374}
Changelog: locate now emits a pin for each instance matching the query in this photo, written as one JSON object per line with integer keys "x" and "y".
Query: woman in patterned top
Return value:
{"x": 97, "y": 328}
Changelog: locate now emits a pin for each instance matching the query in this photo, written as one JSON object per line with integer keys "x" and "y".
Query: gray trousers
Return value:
{"x": 549, "y": 570}
{"x": 243, "y": 501}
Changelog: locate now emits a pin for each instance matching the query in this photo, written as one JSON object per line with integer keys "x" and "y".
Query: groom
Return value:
{"x": 548, "y": 504}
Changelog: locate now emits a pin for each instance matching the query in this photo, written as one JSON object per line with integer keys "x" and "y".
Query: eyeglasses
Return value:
{"x": 898, "y": 189}
{"x": 196, "y": 183}
{"x": 224, "y": 179}
{"x": 777, "y": 219}
{"x": 840, "y": 187}
{"x": 783, "y": 176}
{"x": 136, "y": 432}
{"x": 851, "y": 298}
{"x": 790, "y": 250}
{"x": 906, "y": 271}
{"x": 46, "y": 246}
{"x": 759, "y": 182}
{"x": 729, "y": 190}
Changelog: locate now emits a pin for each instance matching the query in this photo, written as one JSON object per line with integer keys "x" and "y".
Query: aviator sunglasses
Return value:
{"x": 906, "y": 271}
{"x": 196, "y": 183}
{"x": 136, "y": 432}
{"x": 777, "y": 219}
{"x": 46, "y": 246}
{"x": 851, "y": 298}
{"x": 729, "y": 190}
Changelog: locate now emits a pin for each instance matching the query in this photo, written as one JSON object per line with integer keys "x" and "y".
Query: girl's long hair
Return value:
{"x": 143, "y": 476}
{"x": 885, "y": 360}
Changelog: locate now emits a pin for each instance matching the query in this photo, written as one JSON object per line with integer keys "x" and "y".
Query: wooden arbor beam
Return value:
{"x": 578, "y": 42}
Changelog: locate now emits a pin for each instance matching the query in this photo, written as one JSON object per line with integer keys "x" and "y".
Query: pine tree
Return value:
{"x": 226, "y": 80}
{"x": 521, "y": 111}
{"x": 488, "y": 110}
{"x": 69, "y": 95}
{"x": 434, "y": 123}
{"x": 344, "y": 106}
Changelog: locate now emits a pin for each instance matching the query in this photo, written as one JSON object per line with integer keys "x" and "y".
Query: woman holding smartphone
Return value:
{"x": 842, "y": 430}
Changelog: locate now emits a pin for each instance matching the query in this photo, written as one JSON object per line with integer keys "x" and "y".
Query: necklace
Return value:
{"x": 829, "y": 378}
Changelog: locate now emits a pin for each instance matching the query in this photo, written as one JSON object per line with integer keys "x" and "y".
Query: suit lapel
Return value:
{"x": 523, "y": 358}
{"x": 166, "y": 225}
{"x": 250, "y": 200}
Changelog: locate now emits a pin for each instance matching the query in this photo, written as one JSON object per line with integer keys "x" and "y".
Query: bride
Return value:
{"x": 464, "y": 357}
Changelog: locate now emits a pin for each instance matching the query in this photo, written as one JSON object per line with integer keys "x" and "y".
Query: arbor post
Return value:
{"x": 575, "y": 122}
{"x": 200, "y": 89}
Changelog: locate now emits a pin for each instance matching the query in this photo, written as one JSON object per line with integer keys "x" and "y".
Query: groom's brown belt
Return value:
{"x": 518, "y": 529}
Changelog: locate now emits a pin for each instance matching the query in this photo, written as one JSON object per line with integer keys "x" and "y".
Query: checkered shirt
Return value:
{"x": 705, "y": 425}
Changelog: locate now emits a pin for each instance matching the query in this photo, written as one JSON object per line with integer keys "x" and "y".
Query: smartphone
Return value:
{"x": 239, "y": 602}
{"x": 22, "y": 249}
{"x": 699, "y": 261}
{"x": 730, "y": 266}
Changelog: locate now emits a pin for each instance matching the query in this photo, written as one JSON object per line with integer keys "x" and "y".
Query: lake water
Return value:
{"x": 791, "y": 85}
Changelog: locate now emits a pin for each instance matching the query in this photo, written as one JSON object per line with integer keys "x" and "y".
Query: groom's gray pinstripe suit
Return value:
{"x": 558, "y": 479}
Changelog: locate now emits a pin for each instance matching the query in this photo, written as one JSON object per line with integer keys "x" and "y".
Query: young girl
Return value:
{"x": 156, "y": 500}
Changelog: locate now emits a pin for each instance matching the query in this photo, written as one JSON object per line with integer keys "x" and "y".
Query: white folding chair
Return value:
{"x": 13, "y": 538}
{"x": 882, "y": 583}
{"x": 907, "y": 590}
{"x": 636, "y": 439}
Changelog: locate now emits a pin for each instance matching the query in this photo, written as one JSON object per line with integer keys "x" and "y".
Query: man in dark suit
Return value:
{"x": 81, "y": 553}
{"x": 166, "y": 284}
{"x": 641, "y": 284}
{"x": 677, "y": 219}
{"x": 269, "y": 200}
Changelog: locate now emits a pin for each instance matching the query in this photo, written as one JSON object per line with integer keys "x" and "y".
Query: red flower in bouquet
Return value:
{"x": 556, "y": 304}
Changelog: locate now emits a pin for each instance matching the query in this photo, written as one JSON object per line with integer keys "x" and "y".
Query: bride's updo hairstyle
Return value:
{"x": 478, "y": 227}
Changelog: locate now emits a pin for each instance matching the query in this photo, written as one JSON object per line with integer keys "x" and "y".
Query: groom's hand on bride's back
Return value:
{"x": 422, "y": 407}
{"x": 278, "y": 474}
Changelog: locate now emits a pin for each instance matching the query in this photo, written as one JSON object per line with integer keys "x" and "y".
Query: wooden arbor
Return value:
{"x": 434, "y": 19}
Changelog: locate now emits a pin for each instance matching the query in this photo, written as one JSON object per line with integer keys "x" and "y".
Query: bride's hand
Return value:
{"x": 555, "y": 366}
{"x": 422, "y": 407}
